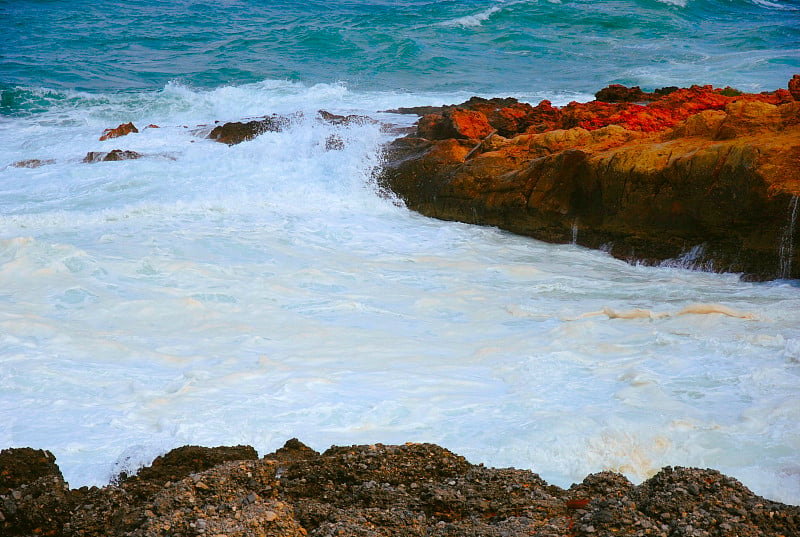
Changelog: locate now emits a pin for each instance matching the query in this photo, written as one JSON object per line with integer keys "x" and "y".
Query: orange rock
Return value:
{"x": 544, "y": 117}
{"x": 122, "y": 130}
{"x": 696, "y": 166}
{"x": 470, "y": 124}
{"x": 457, "y": 123}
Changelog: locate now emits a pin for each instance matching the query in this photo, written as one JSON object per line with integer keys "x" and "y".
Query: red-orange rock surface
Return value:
{"x": 707, "y": 170}
{"x": 122, "y": 130}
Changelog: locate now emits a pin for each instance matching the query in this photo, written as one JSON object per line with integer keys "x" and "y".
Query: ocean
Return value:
{"x": 219, "y": 295}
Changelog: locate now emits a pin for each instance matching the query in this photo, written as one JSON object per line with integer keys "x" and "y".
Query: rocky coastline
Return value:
{"x": 374, "y": 490}
{"x": 701, "y": 177}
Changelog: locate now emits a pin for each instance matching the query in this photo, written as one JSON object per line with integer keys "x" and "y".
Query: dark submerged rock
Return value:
{"x": 32, "y": 163}
{"x": 110, "y": 156}
{"x": 236, "y": 132}
{"x": 336, "y": 119}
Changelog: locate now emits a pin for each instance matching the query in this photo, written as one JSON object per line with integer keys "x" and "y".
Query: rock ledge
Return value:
{"x": 707, "y": 176}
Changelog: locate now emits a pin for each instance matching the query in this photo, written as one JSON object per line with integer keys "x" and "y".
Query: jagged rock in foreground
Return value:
{"x": 709, "y": 171}
{"x": 408, "y": 490}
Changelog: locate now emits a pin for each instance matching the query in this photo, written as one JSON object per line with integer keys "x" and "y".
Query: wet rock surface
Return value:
{"x": 236, "y": 132}
{"x": 377, "y": 490}
{"x": 111, "y": 156}
{"x": 122, "y": 130}
{"x": 32, "y": 163}
{"x": 700, "y": 177}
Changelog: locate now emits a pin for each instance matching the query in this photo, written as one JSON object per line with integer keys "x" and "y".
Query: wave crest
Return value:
{"x": 471, "y": 21}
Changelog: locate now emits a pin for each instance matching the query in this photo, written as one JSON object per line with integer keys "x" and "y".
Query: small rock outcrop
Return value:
{"x": 109, "y": 156}
{"x": 236, "y": 132}
{"x": 337, "y": 119}
{"x": 408, "y": 490}
{"x": 32, "y": 163}
{"x": 647, "y": 177}
{"x": 122, "y": 130}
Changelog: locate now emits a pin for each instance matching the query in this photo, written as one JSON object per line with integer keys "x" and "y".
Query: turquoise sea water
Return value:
{"x": 206, "y": 294}
{"x": 482, "y": 46}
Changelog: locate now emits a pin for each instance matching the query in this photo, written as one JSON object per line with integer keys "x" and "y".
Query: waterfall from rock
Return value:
{"x": 575, "y": 232}
{"x": 786, "y": 248}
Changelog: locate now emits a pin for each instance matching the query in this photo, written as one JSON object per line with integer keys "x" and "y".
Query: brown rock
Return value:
{"x": 185, "y": 460}
{"x": 34, "y": 499}
{"x": 617, "y": 93}
{"x": 237, "y": 132}
{"x": 114, "y": 155}
{"x": 32, "y": 163}
{"x": 417, "y": 110}
{"x": 794, "y": 87}
{"x": 407, "y": 490}
{"x": 293, "y": 450}
{"x": 237, "y": 499}
{"x": 25, "y": 465}
{"x": 336, "y": 119}
{"x": 122, "y": 130}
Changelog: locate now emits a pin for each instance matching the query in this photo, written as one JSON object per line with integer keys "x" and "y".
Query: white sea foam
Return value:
{"x": 212, "y": 295}
{"x": 469, "y": 21}
{"x": 678, "y": 3}
{"x": 783, "y": 6}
